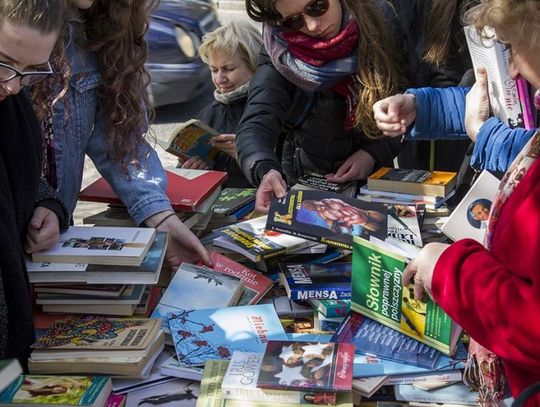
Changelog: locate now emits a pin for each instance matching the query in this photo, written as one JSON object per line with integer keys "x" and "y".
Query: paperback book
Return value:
{"x": 326, "y": 217}
{"x": 331, "y": 308}
{"x": 319, "y": 181}
{"x": 231, "y": 199}
{"x": 403, "y": 224}
{"x": 10, "y": 369}
{"x": 190, "y": 139}
{"x": 174, "y": 393}
{"x": 378, "y": 293}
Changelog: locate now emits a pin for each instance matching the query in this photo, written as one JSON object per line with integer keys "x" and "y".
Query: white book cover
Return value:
{"x": 470, "y": 218}
{"x": 403, "y": 224}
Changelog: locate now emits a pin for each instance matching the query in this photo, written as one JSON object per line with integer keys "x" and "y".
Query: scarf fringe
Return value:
{"x": 474, "y": 378}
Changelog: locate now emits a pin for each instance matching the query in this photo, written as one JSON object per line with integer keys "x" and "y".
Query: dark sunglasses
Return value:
{"x": 295, "y": 22}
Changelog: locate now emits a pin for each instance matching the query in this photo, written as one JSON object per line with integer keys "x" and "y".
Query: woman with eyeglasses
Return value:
{"x": 98, "y": 106}
{"x": 30, "y": 215}
{"x": 333, "y": 59}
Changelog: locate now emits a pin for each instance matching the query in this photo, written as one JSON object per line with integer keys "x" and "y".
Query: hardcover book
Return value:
{"x": 256, "y": 285}
{"x": 317, "y": 281}
{"x": 100, "y": 245}
{"x": 195, "y": 287}
{"x": 90, "y": 391}
{"x": 326, "y": 217}
{"x": 252, "y": 239}
{"x": 295, "y": 365}
{"x": 240, "y": 383}
{"x": 190, "y": 139}
{"x": 232, "y": 199}
{"x": 201, "y": 335}
{"x": 419, "y": 182}
{"x": 378, "y": 293}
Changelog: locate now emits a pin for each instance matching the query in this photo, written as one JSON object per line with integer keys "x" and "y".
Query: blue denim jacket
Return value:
{"x": 80, "y": 128}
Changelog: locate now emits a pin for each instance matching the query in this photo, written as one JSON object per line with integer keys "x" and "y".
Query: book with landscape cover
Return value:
{"x": 326, "y": 217}
{"x": 211, "y": 394}
{"x": 470, "y": 218}
{"x": 292, "y": 365}
{"x": 187, "y": 189}
{"x": 100, "y": 245}
{"x": 196, "y": 287}
{"x": 251, "y": 239}
{"x": 232, "y": 199}
{"x": 407, "y": 181}
{"x": 90, "y": 391}
{"x": 10, "y": 369}
{"x": 201, "y": 335}
{"x": 317, "y": 281}
{"x": 378, "y": 293}
{"x": 190, "y": 139}
{"x": 240, "y": 383}
{"x": 256, "y": 285}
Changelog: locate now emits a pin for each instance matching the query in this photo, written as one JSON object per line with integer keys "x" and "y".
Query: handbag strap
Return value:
{"x": 526, "y": 394}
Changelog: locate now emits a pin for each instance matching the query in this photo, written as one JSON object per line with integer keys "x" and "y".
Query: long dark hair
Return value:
{"x": 42, "y": 15}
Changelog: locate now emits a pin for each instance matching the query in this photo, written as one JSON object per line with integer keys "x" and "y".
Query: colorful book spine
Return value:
{"x": 529, "y": 118}
{"x": 331, "y": 308}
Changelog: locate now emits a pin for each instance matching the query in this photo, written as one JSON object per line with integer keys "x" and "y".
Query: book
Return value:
{"x": 400, "y": 197}
{"x": 529, "y": 113}
{"x": 240, "y": 383}
{"x": 457, "y": 393}
{"x": 10, "y": 369}
{"x": 471, "y": 216}
{"x": 116, "y": 400}
{"x": 100, "y": 245}
{"x": 102, "y": 290}
{"x": 296, "y": 365}
{"x": 131, "y": 294}
{"x": 232, "y": 199}
{"x": 190, "y": 139}
{"x": 211, "y": 394}
{"x": 447, "y": 376}
{"x": 256, "y": 285}
{"x": 201, "y": 335}
{"x": 319, "y": 181}
{"x": 331, "y": 308}
{"x": 195, "y": 287}
{"x": 286, "y": 308}
{"x": 251, "y": 239}
{"x": 175, "y": 393}
{"x": 378, "y": 293}
{"x": 502, "y": 89}
{"x": 407, "y": 181}
{"x": 171, "y": 367}
{"x": 187, "y": 189}
{"x": 317, "y": 281}
{"x": 367, "y": 386}
{"x": 403, "y": 224}
{"x": 326, "y": 324}
{"x": 91, "y": 391}
{"x": 326, "y": 217}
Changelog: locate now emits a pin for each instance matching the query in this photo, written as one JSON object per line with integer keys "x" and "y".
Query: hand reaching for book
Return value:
{"x": 394, "y": 114}
{"x": 225, "y": 143}
{"x": 195, "y": 163}
{"x": 43, "y": 230}
{"x": 357, "y": 166}
{"x": 477, "y": 105}
{"x": 271, "y": 184}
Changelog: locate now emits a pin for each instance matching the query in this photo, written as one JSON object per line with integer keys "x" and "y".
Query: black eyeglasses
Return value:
{"x": 7, "y": 73}
{"x": 295, "y": 22}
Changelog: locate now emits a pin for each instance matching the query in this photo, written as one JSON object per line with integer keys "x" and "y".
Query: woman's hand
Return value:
{"x": 195, "y": 163}
{"x": 43, "y": 230}
{"x": 357, "y": 166}
{"x": 394, "y": 114}
{"x": 271, "y": 184}
{"x": 225, "y": 143}
{"x": 477, "y": 105}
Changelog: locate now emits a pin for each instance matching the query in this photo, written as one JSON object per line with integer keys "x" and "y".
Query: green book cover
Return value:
{"x": 378, "y": 293}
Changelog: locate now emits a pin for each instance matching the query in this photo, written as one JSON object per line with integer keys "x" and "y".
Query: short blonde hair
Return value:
{"x": 512, "y": 19}
{"x": 236, "y": 38}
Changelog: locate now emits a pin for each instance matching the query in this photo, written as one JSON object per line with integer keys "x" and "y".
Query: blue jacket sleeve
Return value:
{"x": 440, "y": 114}
{"x": 497, "y": 145}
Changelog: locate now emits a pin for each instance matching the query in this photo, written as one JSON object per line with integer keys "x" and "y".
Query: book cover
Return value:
{"x": 175, "y": 393}
{"x": 367, "y": 386}
{"x": 195, "y": 287}
{"x": 252, "y": 239}
{"x": 327, "y": 218}
{"x": 190, "y": 139}
{"x": 319, "y": 181}
{"x": 299, "y": 365}
{"x": 57, "y": 391}
{"x": 201, "y": 335}
{"x": 102, "y": 290}
{"x": 326, "y": 324}
{"x": 457, "y": 393}
{"x": 529, "y": 113}
{"x": 317, "y": 281}
{"x": 116, "y": 400}
{"x": 331, "y": 308}
{"x": 240, "y": 383}
{"x": 256, "y": 285}
{"x": 10, "y": 369}
{"x": 408, "y": 181}
{"x": 211, "y": 394}
{"x": 231, "y": 199}
{"x": 403, "y": 224}
{"x": 378, "y": 293}
{"x": 132, "y": 294}
{"x": 100, "y": 245}
{"x": 470, "y": 218}
{"x": 186, "y": 189}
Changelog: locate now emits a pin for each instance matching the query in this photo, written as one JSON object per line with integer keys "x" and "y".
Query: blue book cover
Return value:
{"x": 457, "y": 393}
{"x": 214, "y": 334}
{"x": 317, "y": 281}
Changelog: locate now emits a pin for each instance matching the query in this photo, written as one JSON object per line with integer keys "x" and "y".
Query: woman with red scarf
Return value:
{"x": 326, "y": 63}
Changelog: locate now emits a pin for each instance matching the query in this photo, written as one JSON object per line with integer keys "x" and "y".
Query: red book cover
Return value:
{"x": 292, "y": 365}
{"x": 186, "y": 193}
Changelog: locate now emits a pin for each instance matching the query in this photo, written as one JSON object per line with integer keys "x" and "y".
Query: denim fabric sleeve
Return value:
{"x": 143, "y": 192}
{"x": 497, "y": 145}
{"x": 440, "y": 114}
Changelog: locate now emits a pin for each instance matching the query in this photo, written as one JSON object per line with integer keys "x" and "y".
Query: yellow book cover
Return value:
{"x": 418, "y": 182}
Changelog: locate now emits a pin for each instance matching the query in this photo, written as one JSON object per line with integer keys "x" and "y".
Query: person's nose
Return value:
{"x": 221, "y": 77}
{"x": 312, "y": 23}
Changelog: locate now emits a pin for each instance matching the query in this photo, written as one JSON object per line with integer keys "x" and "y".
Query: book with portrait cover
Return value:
{"x": 213, "y": 334}
{"x": 319, "y": 366}
{"x": 90, "y": 391}
{"x": 317, "y": 281}
{"x": 100, "y": 245}
{"x": 378, "y": 292}
{"x": 326, "y": 217}
{"x": 190, "y": 139}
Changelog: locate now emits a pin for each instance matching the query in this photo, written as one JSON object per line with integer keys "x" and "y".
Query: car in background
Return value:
{"x": 177, "y": 74}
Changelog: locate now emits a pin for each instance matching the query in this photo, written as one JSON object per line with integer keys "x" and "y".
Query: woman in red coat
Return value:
{"x": 493, "y": 290}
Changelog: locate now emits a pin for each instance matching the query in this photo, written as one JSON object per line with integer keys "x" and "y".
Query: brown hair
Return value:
{"x": 42, "y": 15}
{"x": 438, "y": 21}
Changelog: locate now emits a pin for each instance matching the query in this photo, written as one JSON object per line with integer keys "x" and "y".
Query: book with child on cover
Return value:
{"x": 378, "y": 292}
{"x": 326, "y": 217}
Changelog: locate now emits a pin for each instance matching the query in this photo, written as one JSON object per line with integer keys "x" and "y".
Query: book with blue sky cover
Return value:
{"x": 207, "y": 334}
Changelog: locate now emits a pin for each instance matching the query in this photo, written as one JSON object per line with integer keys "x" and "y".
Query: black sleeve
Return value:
{"x": 49, "y": 198}
{"x": 383, "y": 150}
